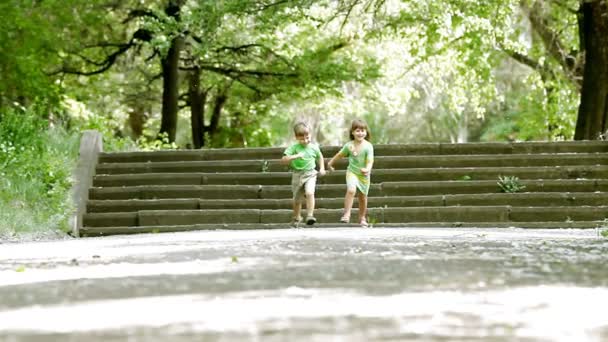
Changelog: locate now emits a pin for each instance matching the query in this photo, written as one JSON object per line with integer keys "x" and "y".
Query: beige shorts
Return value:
{"x": 303, "y": 182}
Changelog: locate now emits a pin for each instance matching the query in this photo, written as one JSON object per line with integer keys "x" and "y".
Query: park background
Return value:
{"x": 238, "y": 73}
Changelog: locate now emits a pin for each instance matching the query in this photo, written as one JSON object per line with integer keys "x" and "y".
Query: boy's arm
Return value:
{"x": 289, "y": 155}
{"x": 321, "y": 162}
{"x": 288, "y": 158}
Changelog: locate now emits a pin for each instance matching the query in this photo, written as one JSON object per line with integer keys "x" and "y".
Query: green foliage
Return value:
{"x": 602, "y": 228}
{"x": 416, "y": 71}
{"x": 510, "y": 184}
{"x": 160, "y": 143}
{"x": 36, "y": 160}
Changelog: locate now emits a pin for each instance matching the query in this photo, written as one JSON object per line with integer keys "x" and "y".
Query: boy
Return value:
{"x": 302, "y": 158}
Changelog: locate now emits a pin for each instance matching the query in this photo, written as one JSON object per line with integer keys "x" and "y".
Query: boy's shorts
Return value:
{"x": 303, "y": 182}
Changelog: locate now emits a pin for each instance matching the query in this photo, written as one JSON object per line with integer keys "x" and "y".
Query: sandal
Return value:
{"x": 310, "y": 220}
{"x": 363, "y": 223}
{"x": 295, "y": 222}
{"x": 345, "y": 218}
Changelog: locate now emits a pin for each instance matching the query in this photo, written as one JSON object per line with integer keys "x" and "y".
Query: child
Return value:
{"x": 301, "y": 158}
{"x": 360, "y": 154}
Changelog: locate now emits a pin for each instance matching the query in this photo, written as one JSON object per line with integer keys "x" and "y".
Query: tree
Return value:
{"x": 29, "y": 48}
{"x": 567, "y": 47}
{"x": 592, "y": 120}
{"x": 201, "y": 39}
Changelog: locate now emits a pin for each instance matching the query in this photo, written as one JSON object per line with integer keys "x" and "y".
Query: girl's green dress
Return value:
{"x": 356, "y": 161}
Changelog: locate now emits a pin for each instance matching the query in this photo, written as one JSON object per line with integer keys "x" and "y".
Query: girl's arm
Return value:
{"x": 370, "y": 162}
{"x": 338, "y": 156}
{"x": 368, "y": 167}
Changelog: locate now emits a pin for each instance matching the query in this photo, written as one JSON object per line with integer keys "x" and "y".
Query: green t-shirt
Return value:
{"x": 358, "y": 161}
{"x": 311, "y": 154}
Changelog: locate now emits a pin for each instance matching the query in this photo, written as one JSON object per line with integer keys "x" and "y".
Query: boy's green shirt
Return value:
{"x": 311, "y": 152}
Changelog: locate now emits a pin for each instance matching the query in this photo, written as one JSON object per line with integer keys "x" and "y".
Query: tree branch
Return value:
{"x": 543, "y": 70}
{"x": 565, "y": 6}
{"x": 551, "y": 41}
{"x": 234, "y": 72}
{"x": 103, "y": 65}
{"x": 139, "y": 13}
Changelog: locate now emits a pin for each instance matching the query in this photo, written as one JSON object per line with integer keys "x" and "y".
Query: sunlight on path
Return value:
{"x": 309, "y": 285}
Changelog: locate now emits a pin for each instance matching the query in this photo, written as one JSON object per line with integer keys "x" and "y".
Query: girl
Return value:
{"x": 360, "y": 154}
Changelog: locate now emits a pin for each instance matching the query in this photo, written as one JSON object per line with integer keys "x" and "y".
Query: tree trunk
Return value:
{"x": 170, "y": 67}
{"x": 197, "y": 109}
{"x": 220, "y": 100}
{"x": 236, "y": 138}
{"x": 593, "y": 110}
{"x": 218, "y": 105}
{"x": 463, "y": 128}
{"x": 137, "y": 119}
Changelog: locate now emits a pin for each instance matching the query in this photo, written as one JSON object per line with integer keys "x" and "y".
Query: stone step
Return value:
{"x": 415, "y": 185}
{"x": 546, "y": 199}
{"x": 337, "y": 190}
{"x": 115, "y": 230}
{"x": 380, "y": 162}
{"x": 380, "y": 149}
{"x": 337, "y": 177}
{"x": 468, "y": 214}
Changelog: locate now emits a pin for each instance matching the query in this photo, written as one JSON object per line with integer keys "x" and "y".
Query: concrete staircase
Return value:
{"x": 415, "y": 185}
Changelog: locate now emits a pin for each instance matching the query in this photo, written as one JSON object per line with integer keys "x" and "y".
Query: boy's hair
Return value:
{"x": 301, "y": 128}
{"x": 358, "y": 123}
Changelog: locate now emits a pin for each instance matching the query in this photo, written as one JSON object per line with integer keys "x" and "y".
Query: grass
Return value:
{"x": 36, "y": 161}
{"x": 510, "y": 184}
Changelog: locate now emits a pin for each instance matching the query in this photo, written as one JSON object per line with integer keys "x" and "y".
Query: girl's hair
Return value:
{"x": 358, "y": 123}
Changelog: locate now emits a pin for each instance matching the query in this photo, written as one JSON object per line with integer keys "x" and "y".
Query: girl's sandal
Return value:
{"x": 363, "y": 223}
{"x": 345, "y": 218}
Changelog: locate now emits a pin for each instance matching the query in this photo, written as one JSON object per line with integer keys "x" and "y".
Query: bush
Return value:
{"x": 510, "y": 184}
{"x": 36, "y": 160}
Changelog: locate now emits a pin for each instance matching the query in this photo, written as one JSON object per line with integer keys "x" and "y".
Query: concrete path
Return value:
{"x": 334, "y": 284}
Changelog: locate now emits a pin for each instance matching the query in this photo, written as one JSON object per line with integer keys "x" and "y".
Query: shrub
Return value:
{"x": 510, "y": 184}
{"x": 36, "y": 160}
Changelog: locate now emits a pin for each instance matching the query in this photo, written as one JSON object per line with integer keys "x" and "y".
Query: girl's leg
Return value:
{"x": 362, "y": 209}
{"x": 348, "y": 204}
{"x": 351, "y": 190}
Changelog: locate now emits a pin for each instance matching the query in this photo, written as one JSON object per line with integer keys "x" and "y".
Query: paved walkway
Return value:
{"x": 309, "y": 285}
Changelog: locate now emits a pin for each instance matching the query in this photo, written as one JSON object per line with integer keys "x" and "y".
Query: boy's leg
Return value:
{"x": 298, "y": 194}
{"x": 297, "y": 217}
{"x": 310, "y": 204}
{"x": 297, "y": 208}
{"x": 309, "y": 189}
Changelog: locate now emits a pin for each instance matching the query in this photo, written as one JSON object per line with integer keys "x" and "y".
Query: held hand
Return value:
{"x": 331, "y": 167}
{"x": 322, "y": 173}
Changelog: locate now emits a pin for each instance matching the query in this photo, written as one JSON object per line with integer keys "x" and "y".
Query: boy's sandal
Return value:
{"x": 295, "y": 222}
{"x": 363, "y": 223}
{"x": 310, "y": 220}
{"x": 345, "y": 218}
